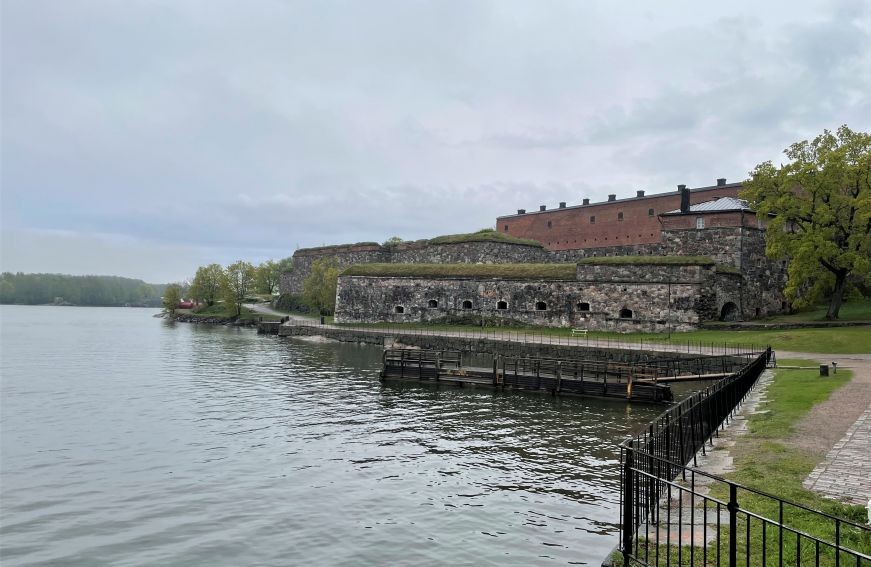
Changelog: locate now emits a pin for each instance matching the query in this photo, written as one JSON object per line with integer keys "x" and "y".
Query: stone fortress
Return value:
{"x": 667, "y": 261}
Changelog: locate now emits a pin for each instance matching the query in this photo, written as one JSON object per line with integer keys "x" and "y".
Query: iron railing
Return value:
{"x": 675, "y": 513}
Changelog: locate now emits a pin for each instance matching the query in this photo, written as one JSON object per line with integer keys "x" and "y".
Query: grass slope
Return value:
{"x": 502, "y": 271}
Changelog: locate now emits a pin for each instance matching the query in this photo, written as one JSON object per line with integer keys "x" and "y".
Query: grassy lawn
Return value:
{"x": 219, "y": 310}
{"x": 767, "y": 459}
{"x": 853, "y": 310}
{"x": 839, "y": 340}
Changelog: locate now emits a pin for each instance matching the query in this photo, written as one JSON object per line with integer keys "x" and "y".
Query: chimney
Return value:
{"x": 612, "y": 197}
{"x": 639, "y": 193}
{"x": 562, "y": 204}
{"x": 542, "y": 207}
{"x": 521, "y": 211}
{"x": 721, "y": 181}
{"x": 586, "y": 202}
{"x": 684, "y": 198}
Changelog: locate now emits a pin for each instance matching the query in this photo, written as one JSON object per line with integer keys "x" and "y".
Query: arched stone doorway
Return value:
{"x": 729, "y": 312}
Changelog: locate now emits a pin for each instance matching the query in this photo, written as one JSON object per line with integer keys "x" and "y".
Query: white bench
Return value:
{"x": 579, "y": 332}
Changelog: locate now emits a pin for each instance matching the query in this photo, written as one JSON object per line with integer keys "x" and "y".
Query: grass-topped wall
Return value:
{"x": 498, "y": 271}
{"x": 649, "y": 261}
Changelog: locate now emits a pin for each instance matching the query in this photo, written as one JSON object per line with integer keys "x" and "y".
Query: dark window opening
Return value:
{"x": 433, "y": 304}
{"x": 783, "y": 306}
{"x": 729, "y": 312}
{"x": 625, "y": 313}
{"x": 650, "y": 212}
{"x": 541, "y": 306}
{"x": 506, "y": 228}
{"x": 467, "y": 304}
{"x": 758, "y": 312}
{"x": 549, "y": 224}
{"x": 593, "y": 219}
{"x": 502, "y": 305}
{"x": 620, "y": 215}
{"x": 583, "y": 306}
{"x": 399, "y": 309}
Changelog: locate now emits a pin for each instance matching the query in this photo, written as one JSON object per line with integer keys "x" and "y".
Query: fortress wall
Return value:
{"x": 655, "y": 306}
{"x": 291, "y": 282}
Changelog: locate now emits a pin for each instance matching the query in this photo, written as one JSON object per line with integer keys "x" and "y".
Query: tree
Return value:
{"x": 393, "y": 241}
{"x": 822, "y": 203}
{"x": 171, "y": 298}
{"x": 268, "y": 275}
{"x": 285, "y": 265}
{"x": 207, "y": 283}
{"x": 319, "y": 288}
{"x": 238, "y": 282}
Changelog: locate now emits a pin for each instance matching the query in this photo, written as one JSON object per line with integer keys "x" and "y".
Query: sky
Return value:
{"x": 146, "y": 138}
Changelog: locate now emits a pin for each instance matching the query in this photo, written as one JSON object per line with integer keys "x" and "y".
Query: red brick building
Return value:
{"x": 616, "y": 222}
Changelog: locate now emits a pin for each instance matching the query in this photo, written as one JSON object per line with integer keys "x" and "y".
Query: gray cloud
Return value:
{"x": 214, "y": 130}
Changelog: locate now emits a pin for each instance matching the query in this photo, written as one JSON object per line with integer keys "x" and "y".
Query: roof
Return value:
{"x": 717, "y": 205}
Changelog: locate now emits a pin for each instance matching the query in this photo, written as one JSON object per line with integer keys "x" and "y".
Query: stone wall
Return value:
{"x": 412, "y": 253}
{"x": 670, "y": 300}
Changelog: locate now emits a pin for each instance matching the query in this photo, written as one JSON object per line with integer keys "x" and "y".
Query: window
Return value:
{"x": 432, "y": 304}
{"x": 467, "y": 304}
{"x": 592, "y": 219}
{"x": 700, "y": 222}
{"x": 541, "y": 306}
{"x": 549, "y": 224}
{"x": 620, "y": 216}
{"x": 583, "y": 306}
{"x": 625, "y": 313}
{"x": 506, "y": 228}
{"x": 650, "y": 212}
{"x": 399, "y": 309}
{"x": 502, "y": 305}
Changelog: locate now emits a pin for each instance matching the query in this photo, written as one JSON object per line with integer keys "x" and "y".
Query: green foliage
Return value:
{"x": 207, "y": 284}
{"x": 822, "y": 203}
{"x": 292, "y": 302}
{"x": 239, "y": 280}
{"x": 319, "y": 288}
{"x": 506, "y": 271}
{"x": 171, "y": 298}
{"x": 393, "y": 241}
{"x": 268, "y": 274}
{"x": 285, "y": 265}
{"x": 483, "y": 236}
{"x": 649, "y": 260}
{"x": 42, "y": 289}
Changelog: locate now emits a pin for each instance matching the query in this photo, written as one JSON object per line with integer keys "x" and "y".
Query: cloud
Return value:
{"x": 221, "y": 129}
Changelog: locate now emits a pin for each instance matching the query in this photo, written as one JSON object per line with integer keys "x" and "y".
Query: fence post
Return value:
{"x": 732, "y": 506}
{"x": 628, "y": 504}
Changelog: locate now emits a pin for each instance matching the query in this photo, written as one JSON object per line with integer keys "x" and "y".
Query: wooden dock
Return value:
{"x": 558, "y": 377}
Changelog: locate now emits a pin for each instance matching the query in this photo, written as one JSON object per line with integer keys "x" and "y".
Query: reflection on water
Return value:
{"x": 129, "y": 440}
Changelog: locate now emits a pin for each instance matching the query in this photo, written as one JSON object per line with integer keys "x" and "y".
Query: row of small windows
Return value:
{"x": 650, "y": 213}
{"x": 584, "y": 307}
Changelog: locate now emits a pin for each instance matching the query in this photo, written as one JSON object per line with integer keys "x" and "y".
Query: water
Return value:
{"x": 128, "y": 440}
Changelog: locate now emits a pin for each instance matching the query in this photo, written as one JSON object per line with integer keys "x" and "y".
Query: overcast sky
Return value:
{"x": 145, "y": 138}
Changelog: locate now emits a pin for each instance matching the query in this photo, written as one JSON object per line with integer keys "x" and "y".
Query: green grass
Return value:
{"x": 502, "y": 271}
{"x": 852, "y": 310}
{"x": 483, "y": 236}
{"x": 219, "y": 310}
{"x": 840, "y": 340}
{"x": 768, "y": 459}
{"x": 649, "y": 260}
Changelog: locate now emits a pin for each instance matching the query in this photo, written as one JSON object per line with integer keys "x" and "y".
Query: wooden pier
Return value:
{"x": 630, "y": 382}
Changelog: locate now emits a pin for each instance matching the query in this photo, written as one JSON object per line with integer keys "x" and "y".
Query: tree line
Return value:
{"x": 60, "y": 289}
{"x": 232, "y": 285}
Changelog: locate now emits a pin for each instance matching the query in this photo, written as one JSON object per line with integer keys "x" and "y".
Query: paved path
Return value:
{"x": 845, "y": 473}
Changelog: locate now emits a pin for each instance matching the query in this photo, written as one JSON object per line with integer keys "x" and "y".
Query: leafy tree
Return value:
{"x": 319, "y": 288}
{"x": 285, "y": 265}
{"x": 393, "y": 241}
{"x": 171, "y": 298}
{"x": 207, "y": 283}
{"x": 268, "y": 274}
{"x": 238, "y": 282}
{"x": 40, "y": 289}
{"x": 822, "y": 203}
{"x": 7, "y": 290}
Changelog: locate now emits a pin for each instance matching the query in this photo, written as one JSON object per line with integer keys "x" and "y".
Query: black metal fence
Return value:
{"x": 676, "y": 514}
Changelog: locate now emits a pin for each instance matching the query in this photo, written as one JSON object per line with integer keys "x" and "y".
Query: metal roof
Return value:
{"x": 717, "y": 205}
